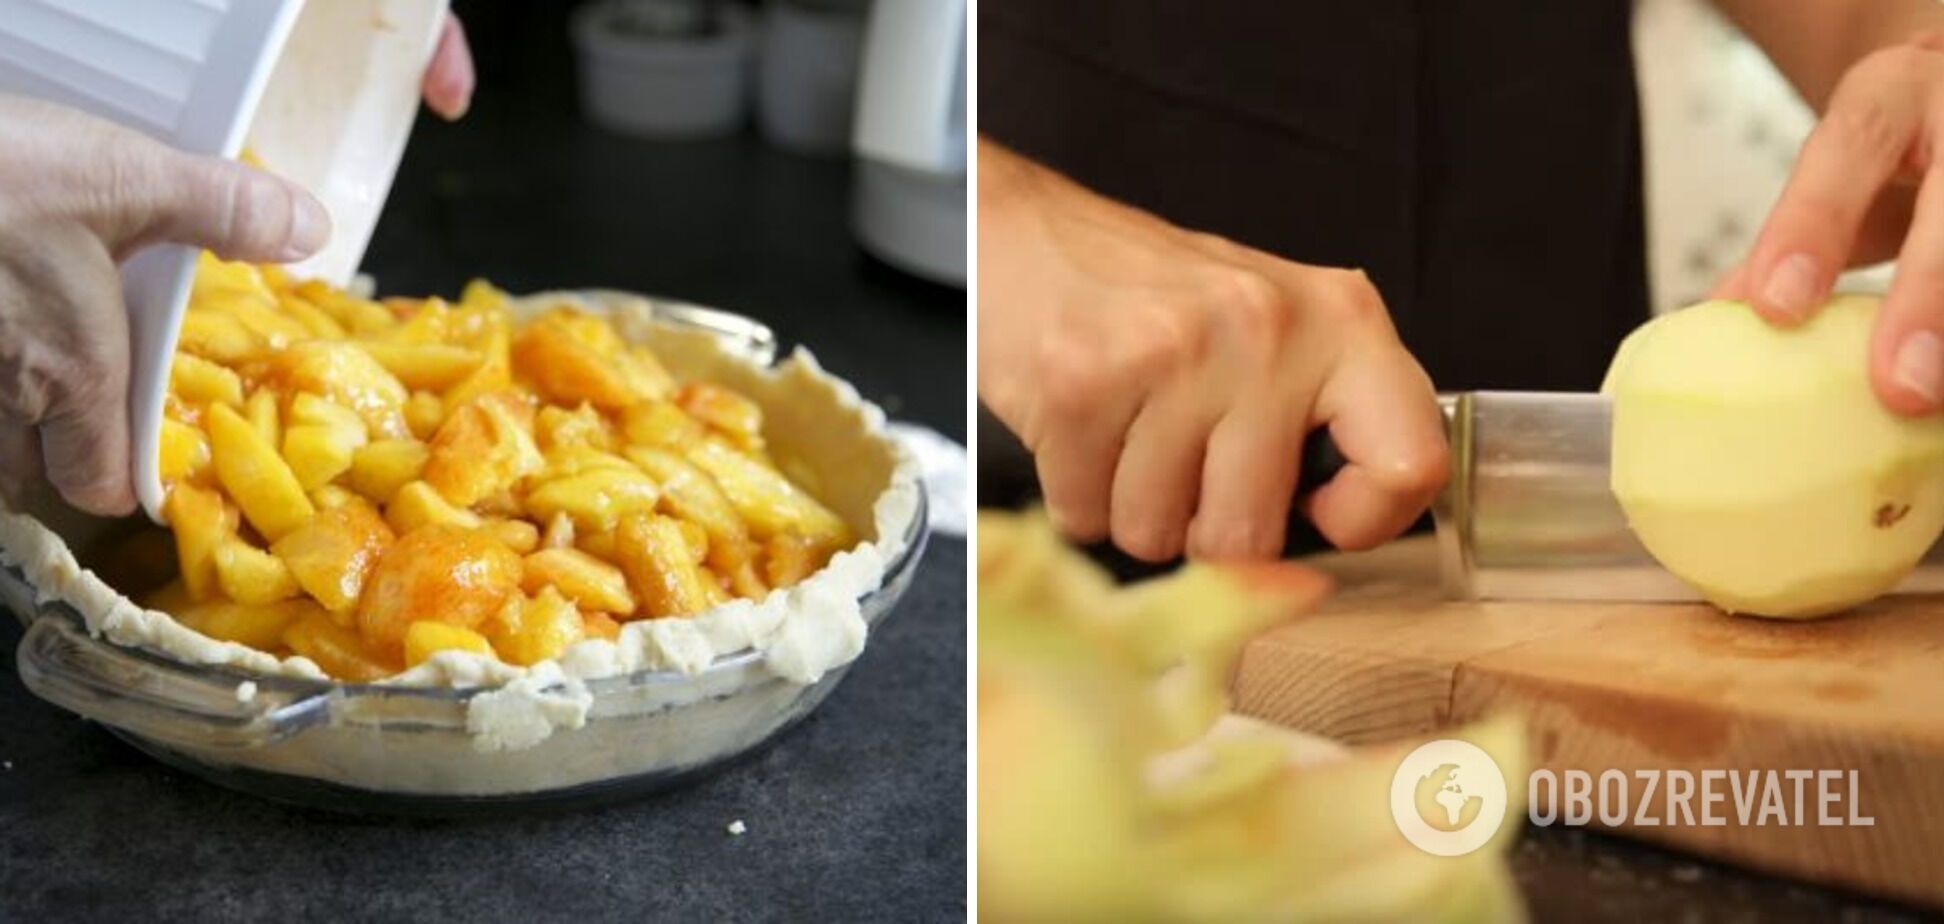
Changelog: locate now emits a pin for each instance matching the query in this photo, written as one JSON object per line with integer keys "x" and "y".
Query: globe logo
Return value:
{"x": 1443, "y": 801}
{"x": 1448, "y": 797}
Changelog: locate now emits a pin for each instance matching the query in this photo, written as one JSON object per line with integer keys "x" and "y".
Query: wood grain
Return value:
{"x": 1633, "y": 687}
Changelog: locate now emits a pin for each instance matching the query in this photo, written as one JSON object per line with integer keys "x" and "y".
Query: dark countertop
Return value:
{"x": 857, "y": 814}
{"x": 1573, "y": 874}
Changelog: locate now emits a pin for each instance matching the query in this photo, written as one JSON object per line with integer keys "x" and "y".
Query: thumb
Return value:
{"x": 238, "y": 211}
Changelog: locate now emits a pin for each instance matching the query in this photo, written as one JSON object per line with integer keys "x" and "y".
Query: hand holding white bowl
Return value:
{"x": 79, "y": 194}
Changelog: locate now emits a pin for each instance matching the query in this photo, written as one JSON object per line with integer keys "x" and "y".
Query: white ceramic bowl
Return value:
{"x": 807, "y": 77}
{"x": 663, "y": 87}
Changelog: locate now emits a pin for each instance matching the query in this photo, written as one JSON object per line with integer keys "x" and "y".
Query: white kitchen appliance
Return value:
{"x": 908, "y": 204}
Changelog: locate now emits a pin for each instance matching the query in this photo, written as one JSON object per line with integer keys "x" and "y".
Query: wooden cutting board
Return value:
{"x": 1642, "y": 687}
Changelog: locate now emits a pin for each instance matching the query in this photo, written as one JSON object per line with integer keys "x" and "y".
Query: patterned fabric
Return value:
{"x": 1722, "y": 130}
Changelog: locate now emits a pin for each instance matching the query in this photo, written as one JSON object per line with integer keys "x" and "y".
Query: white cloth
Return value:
{"x": 945, "y": 467}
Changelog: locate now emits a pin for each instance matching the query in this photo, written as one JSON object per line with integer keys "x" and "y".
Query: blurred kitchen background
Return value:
{"x": 1721, "y": 129}
{"x": 713, "y": 152}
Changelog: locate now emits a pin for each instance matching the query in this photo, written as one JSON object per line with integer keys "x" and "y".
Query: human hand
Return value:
{"x": 449, "y": 79}
{"x": 78, "y": 195}
{"x": 1868, "y": 186}
{"x": 1164, "y": 380}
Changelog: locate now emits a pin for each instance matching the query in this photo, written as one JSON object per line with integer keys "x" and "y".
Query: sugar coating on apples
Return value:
{"x": 1756, "y": 463}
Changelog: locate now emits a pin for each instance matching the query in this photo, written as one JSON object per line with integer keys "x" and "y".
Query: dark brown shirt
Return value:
{"x": 1479, "y": 158}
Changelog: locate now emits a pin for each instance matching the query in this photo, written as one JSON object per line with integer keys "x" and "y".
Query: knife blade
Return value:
{"x": 1528, "y": 512}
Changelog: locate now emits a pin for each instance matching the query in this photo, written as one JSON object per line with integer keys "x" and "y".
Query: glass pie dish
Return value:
{"x": 416, "y": 749}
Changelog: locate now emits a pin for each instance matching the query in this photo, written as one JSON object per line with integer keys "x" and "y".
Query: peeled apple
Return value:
{"x": 1755, "y": 462}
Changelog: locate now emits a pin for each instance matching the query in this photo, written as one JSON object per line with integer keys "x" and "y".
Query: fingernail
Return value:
{"x": 1919, "y": 365}
{"x": 310, "y": 228}
{"x": 455, "y": 107}
{"x": 1791, "y": 285}
{"x": 1148, "y": 542}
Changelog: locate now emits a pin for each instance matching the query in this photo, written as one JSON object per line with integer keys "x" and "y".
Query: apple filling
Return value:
{"x": 368, "y": 483}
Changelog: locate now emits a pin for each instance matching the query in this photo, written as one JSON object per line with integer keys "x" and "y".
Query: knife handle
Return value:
{"x": 1321, "y": 462}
